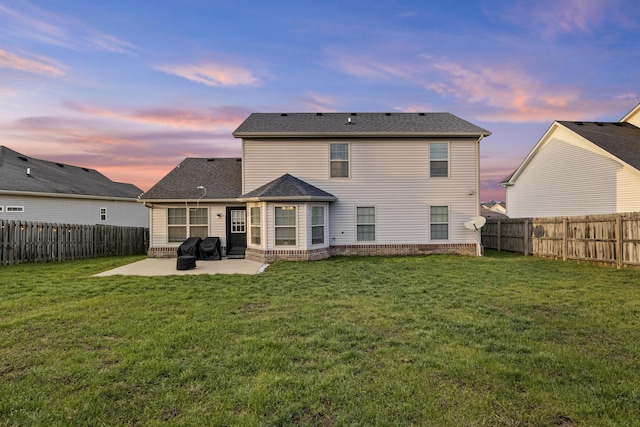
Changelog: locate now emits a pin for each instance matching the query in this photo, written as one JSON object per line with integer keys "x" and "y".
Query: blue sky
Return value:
{"x": 133, "y": 87}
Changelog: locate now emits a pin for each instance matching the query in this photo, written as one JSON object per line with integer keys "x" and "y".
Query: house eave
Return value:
{"x": 287, "y": 199}
{"x": 272, "y": 135}
{"x": 67, "y": 196}
{"x": 224, "y": 200}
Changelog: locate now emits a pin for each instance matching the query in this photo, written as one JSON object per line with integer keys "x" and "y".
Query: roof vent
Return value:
{"x": 23, "y": 158}
{"x": 85, "y": 169}
{"x": 387, "y": 114}
{"x": 579, "y": 123}
{"x": 283, "y": 115}
{"x": 211, "y": 160}
{"x": 318, "y": 114}
{"x": 60, "y": 165}
{"x": 28, "y": 171}
{"x": 349, "y": 121}
{"x": 599, "y": 124}
{"x": 238, "y": 160}
{"x": 421, "y": 114}
{"x": 354, "y": 114}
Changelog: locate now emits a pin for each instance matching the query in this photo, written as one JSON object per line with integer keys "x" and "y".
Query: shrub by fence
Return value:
{"x": 27, "y": 242}
{"x": 612, "y": 239}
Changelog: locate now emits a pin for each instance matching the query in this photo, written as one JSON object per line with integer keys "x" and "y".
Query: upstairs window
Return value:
{"x": 439, "y": 159}
{"x": 339, "y": 160}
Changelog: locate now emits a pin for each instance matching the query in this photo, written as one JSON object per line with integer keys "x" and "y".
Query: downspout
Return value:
{"x": 478, "y": 232}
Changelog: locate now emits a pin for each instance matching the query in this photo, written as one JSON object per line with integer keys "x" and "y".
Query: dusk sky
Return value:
{"x": 131, "y": 88}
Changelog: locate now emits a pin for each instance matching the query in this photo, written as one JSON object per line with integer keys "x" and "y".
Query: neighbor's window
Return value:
{"x": 317, "y": 225}
{"x": 439, "y": 222}
{"x": 366, "y": 223}
{"x": 1, "y": 208}
{"x": 197, "y": 224}
{"x": 339, "y": 160}
{"x": 439, "y": 159}
{"x": 103, "y": 214}
{"x": 256, "y": 229}
{"x": 15, "y": 208}
{"x": 285, "y": 225}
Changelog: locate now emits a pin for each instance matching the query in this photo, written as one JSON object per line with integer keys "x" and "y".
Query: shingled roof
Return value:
{"x": 277, "y": 125}
{"x": 221, "y": 177}
{"x": 288, "y": 188}
{"x": 618, "y": 138}
{"x": 24, "y": 174}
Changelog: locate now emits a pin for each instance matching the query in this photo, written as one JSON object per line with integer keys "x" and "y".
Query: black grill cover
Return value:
{"x": 186, "y": 262}
{"x": 210, "y": 249}
{"x": 190, "y": 247}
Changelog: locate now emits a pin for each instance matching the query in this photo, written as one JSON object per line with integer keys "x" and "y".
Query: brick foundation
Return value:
{"x": 288, "y": 255}
{"x": 404, "y": 249}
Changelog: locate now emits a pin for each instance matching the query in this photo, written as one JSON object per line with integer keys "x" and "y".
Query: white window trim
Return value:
{"x": 448, "y": 160}
{"x": 1, "y": 208}
{"x": 188, "y": 224}
{"x": 15, "y": 209}
{"x": 295, "y": 208}
{"x": 348, "y": 160}
{"x": 103, "y": 213}
{"x": 259, "y": 225}
{"x": 244, "y": 223}
{"x": 375, "y": 223}
{"x": 324, "y": 225}
{"x": 448, "y": 223}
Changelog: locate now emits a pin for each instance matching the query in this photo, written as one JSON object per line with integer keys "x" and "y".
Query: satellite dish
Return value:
{"x": 475, "y": 223}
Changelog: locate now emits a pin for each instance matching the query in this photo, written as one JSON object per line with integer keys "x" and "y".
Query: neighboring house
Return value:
{"x": 44, "y": 191}
{"x": 579, "y": 168}
{"x": 494, "y": 209}
{"x": 312, "y": 185}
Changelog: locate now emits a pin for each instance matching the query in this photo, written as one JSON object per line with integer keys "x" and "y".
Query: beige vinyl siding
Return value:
{"x": 571, "y": 176}
{"x": 75, "y": 210}
{"x": 159, "y": 230}
{"x": 392, "y": 175}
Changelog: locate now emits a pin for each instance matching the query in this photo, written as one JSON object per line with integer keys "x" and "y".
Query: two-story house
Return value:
{"x": 312, "y": 185}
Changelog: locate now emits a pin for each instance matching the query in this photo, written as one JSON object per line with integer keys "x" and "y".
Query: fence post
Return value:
{"x": 526, "y": 236}
{"x": 619, "y": 238}
{"x": 565, "y": 240}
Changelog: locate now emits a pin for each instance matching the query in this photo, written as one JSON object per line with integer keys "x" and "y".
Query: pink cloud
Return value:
{"x": 34, "y": 64}
{"x": 212, "y": 74}
{"x": 551, "y": 17}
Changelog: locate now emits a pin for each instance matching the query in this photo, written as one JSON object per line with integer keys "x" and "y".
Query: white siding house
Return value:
{"x": 579, "y": 168}
{"x": 321, "y": 184}
{"x": 43, "y": 191}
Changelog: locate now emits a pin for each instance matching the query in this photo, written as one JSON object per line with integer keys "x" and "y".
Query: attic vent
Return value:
{"x": 85, "y": 169}
{"x": 421, "y": 114}
{"x": 354, "y": 114}
{"x": 211, "y": 160}
{"x": 599, "y": 124}
{"x": 23, "y": 158}
{"x": 283, "y": 115}
{"x": 60, "y": 165}
{"x": 387, "y": 114}
{"x": 238, "y": 160}
{"x": 318, "y": 114}
{"x": 618, "y": 124}
{"x": 579, "y": 123}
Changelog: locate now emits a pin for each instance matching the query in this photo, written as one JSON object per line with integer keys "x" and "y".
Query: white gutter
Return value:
{"x": 67, "y": 196}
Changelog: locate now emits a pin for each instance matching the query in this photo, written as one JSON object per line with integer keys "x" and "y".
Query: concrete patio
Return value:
{"x": 167, "y": 267}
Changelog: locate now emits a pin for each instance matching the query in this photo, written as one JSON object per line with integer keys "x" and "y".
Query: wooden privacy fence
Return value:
{"x": 613, "y": 239}
{"x": 26, "y": 242}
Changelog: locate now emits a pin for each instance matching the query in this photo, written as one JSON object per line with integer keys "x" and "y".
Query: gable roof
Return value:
{"x": 288, "y": 188}
{"x": 620, "y": 139}
{"x": 221, "y": 177}
{"x": 24, "y": 174}
{"x": 277, "y": 125}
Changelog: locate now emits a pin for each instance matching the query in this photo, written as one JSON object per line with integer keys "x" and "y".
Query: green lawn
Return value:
{"x": 501, "y": 340}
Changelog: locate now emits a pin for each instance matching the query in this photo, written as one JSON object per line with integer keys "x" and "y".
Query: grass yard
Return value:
{"x": 501, "y": 340}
